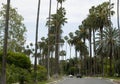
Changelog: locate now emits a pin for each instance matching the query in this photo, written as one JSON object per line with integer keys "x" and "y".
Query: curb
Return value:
{"x": 116, "y": 82}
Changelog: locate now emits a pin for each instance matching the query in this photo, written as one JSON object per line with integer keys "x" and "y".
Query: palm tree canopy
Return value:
{"x": 110, "y": 40}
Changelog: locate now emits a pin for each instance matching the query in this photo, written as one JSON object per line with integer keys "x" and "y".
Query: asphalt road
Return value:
{"x": 84, "y": 81}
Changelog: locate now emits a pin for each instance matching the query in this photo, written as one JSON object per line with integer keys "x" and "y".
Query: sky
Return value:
{"x": 77, "y": 11}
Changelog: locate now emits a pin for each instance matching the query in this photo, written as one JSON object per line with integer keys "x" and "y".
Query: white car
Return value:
{"x": 70, "y": 76}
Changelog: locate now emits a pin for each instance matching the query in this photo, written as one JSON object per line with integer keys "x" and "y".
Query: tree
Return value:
{"x": 16, "y": 32}
{"x": 36, "y": 46}
{"x": 66, "y": 39}
{"x": 109, "y": 44}
{"x": 87, "y": 24}
{"x": 70, "y": 40}
{"x": 118, "y": 14}
{"x": 58, "y": 20}
{"x": 84, "y": 34}
{"x": 5, "y": 44}
{"x": 49, "y": 27}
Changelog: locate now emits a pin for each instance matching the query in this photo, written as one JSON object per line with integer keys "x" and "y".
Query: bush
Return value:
{"x": 117, "y": 67}
{"x": 41, "y": 73}
{"x": 16, "y": 74}
{"x": 18, "y": 59}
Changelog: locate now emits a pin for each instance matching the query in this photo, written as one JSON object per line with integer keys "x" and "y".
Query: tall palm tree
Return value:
{"x": 36, "y": 46}
{"x": 5, "y": 44}
{"x": 49, "y": 26}
{"x": 81, "y": 47}
{"x": 88, "y": 25}
{"x": 93, "y": 17}
{"x": 69, "y": 41}
{"x": 105, "y": 11}
{"x": 84, "y": 34}
{"x": 60, "y": 20}
{"x": 118, "y": 22}
{"x": 109, "y": 45}
{"x": 66, "y": 39}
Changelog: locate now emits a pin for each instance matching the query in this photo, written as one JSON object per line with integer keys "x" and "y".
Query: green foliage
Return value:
{"x": 16, "y": 74}
{"x": 16, "y": 33}
{"x": 117, "y": 67}
{"x": 18, "y": 59}
{"x": 41, "y": 73}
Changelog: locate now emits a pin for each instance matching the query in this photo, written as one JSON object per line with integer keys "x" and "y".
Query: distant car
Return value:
{"x": 70, "y": 76}
{"x": 79, "y": 76}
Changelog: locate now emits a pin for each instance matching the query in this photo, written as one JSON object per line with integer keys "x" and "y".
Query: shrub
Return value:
{"x": 18, "y": 59}
{"x": 41, "y": 73}
{"x": 16, "y": 74}
{"x": 117, "y": 67}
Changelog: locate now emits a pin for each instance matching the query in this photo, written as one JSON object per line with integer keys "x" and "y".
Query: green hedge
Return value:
{"x": 18, "y": 59}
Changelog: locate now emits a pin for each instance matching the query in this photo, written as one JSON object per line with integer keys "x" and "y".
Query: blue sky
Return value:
{"x": 77, "y": 11}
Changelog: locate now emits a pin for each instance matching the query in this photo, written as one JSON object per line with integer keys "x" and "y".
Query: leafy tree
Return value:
{"x": 16, "y": 33}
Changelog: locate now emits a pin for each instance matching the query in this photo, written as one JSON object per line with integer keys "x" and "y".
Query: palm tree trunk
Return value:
{"x": 57, "y": 52}
{"x": 36, "y": 47}
{"x": 102, "y": 57}
{"x": 94, "y": 51}
{"x": 90, "y": 51}
{"x": 85, "y": 68}
{"x": 48, "y": 73}
{"x": 70, "y": 51}
{"x": 5, "y": 44}
{"x": 110, "y": 55}
{"x": 110, "y": 13}
{"x": 118, "y": 15}
{"x": 81, "y": 64}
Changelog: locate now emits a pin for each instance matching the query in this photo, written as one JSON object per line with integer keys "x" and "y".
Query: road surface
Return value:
{"x": 83, "y": 81}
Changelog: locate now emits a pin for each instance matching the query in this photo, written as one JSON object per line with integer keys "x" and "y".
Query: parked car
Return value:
{"x": 79, "y": 76}
{"x": 70, "y": 76}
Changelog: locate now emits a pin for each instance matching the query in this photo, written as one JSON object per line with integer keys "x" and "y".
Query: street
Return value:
{"x": 84, "y": 81}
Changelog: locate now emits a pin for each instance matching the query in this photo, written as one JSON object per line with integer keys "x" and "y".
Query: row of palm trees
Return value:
{"x": 106, "y": 38}
{"x": 98, "y": 18}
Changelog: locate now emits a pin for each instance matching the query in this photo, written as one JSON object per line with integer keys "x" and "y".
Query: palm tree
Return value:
{"x": 109, "y": 44}
{"x": 118, "y": 14}
{"x": 84, "y": 34}
{"x": 81, "y": 47}
{"x": 60, "y": 20}
{"x": 93, "y": 17}
{"x": 66, "y": 39}
{"x": 36, "y": 46}
{"x": 49, "y": 26}
{"x": 105, "y": 11}
{"x": 69, "y": 41}
{"x": 5, "y": 44}
{"x": 40, "y": 45}
{"x": 87, "y": 24}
